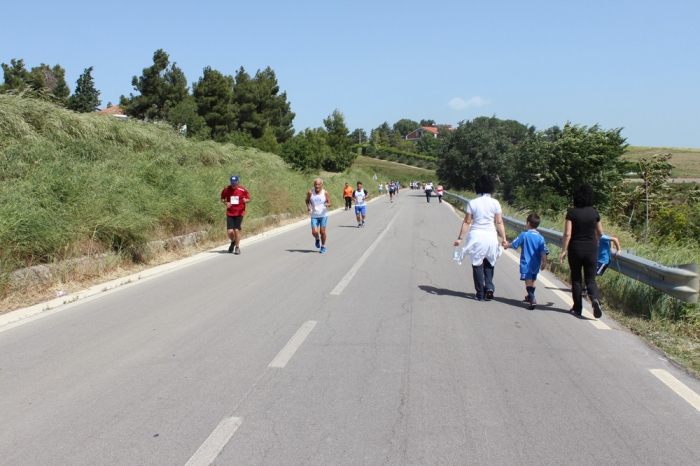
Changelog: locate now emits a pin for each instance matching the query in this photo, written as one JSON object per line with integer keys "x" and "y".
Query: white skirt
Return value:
{"x": 481, "y": 245}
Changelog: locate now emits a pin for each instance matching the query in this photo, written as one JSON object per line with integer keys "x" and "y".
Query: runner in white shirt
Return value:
{"x": 317, "y": 202}
{"x": 440, "y": 190}
{"x": 360, "y": 196}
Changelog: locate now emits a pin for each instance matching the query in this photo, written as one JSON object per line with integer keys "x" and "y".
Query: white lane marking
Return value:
{"x": 564, "y": 296}
{"x": 292, "y": 346}
{"x": 679, "y": 387}
{"x": 348, "y": 276}
{"x": 25, "y": 315}
{"x": 217, "y": 440}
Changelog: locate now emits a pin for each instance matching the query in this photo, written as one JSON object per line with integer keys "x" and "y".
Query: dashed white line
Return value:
{"x": 292, "y": 346}
{"x": 217, "y": 440}
{"x": 679, "y": 387}
{"x": 564, "y": 296}
{"x": 348, "y": 277}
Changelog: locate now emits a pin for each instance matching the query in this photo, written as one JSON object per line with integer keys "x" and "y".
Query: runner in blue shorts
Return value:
{"x": 360, "y": 196}
{"x": 317, "y": 202}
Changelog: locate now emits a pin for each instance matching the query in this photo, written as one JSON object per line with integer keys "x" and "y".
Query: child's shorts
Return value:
{"x": 601, "y": 269}
{"x": 528, "y": 276}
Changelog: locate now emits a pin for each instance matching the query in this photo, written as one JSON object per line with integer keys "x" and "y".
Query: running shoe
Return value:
{"x": 237, "y": 250}
{"x": 597, "y": 311}
{"x": 318, "y": 243}
{"x": 359, "y": 225}
{"x": 323, "y": 249}
{"x": 574, "y": 312}
{"x": 489, "y": 294}
{"x": 363, "y": 223}
{"x": 532, "y": 305}
{"x": 230, "y": 248}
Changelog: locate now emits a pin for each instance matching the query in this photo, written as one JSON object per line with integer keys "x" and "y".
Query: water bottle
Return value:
{"x": 455, "y": 254}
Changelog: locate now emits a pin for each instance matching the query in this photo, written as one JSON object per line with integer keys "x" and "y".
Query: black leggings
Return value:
{"x": 348, "y": 202}
{"x": 588, "y": 261}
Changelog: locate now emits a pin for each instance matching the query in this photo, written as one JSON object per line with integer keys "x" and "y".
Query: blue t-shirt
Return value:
{"x": 533, "y": 245}
{"x": 604, "y": 249}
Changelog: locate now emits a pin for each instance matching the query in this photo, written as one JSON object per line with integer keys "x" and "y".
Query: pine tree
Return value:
{"x": 53, "y": 80}
{"x": 213, "y": 94}
{"x": 16, "y": 76}
{"x": 161, "y": 86}
{"x": 86, "y": 97}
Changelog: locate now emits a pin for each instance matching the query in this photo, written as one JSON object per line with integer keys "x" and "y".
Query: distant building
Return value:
{"x": 417, "y": 134}
{"x": 114, "y": 110}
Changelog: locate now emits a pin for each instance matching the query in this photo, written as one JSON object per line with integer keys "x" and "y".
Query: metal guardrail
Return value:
{"x": 681, "y": 282}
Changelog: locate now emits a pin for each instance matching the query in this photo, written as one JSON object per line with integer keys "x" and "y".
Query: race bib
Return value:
{"x": 234, "y": 200}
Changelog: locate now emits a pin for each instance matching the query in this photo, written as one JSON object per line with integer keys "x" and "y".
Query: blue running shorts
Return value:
{"x": 319, "y": 222}
{"x": 360, "y": 210}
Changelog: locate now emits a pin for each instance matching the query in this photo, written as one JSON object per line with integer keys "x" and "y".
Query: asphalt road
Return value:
{"x": 374, "y": 353}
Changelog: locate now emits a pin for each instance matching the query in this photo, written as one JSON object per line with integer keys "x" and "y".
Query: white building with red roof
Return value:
{"x": 417, "y": 134}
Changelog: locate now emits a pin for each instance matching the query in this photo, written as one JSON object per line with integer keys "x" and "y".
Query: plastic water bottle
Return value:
{"x": 455, "y": 254}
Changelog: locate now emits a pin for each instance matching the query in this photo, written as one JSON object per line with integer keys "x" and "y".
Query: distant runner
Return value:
{"x": 360, "y": 197}
{"x": 440, "y": 191}
{"x": 428, "y": 190}
{"x": 318, "y": 201}
{"x": 392, "y": 189}
{"x": 234, "y": 197}
{"x": 347, "y": 195}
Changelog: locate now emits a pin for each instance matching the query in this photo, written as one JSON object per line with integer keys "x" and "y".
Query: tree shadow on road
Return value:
{"x": 445, "y": 292}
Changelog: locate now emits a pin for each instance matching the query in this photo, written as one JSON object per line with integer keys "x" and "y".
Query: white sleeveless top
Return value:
{"x": 360, "y": 198}
{"x": 318, "y": 204}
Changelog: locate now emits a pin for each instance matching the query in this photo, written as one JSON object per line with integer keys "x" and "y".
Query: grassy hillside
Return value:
{"x": 77, "y": 183}
{"x": 687, "y": 161}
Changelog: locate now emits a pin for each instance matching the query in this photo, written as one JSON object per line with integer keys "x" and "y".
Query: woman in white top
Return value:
{"x": 482, "y": 243}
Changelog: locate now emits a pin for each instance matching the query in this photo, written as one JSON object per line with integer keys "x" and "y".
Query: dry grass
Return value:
{"x": 686, "y": 161}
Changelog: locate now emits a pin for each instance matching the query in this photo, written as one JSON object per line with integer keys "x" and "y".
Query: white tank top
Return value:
{"x": 318, "y": 204}
{"x": 360, "y": 198}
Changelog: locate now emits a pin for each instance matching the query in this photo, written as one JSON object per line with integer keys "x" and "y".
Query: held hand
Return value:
{"x": 563, "y": 255}
{"x": 617, "y": 253}
{"x": 457, "y": 242}
{"x": 228, "y": 205}
{"x": 543, "y": 266}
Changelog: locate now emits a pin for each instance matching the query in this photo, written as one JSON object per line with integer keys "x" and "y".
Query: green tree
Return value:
{"x": 268, "y": 142}
{"x": 185, "y": 117}
{"x": 428, "y": 145}
{"x": 552, "y": 163}
{"x": 358, "y": 136}
{"x": 86, "y": 97}
{"x": 339, "y": 157}
{"x": 161, "y": 87}
{"x": 405, "y": 126}
{"x": 306, "y": 151}
{"x": 16, "y": 76}
{"x": 213, "y": 94}
{"x": 481, "y": 146}
{"x": 45, "y": 81}
{"x": 427, "y": 123}
{"x": 259, "y": 105}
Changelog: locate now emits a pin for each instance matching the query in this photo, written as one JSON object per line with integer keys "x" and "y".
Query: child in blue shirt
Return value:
{"x": 533, "y": 256}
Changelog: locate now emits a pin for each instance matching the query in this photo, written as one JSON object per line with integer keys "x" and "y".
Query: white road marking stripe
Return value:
{"x": 38, "y": 311}
{"x": 348, "y": 277}
{"x": 564, "y": 296}
{"x": 679, "y": 387}
{"x": 292, "y": 346}
{"x": 217, "y": 440}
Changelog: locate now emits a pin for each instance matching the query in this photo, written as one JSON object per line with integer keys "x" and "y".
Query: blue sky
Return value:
{"x": 631, "y": 64}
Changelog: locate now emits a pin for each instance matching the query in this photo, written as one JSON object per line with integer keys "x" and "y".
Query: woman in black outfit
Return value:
{"x": 582, "y": 231}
